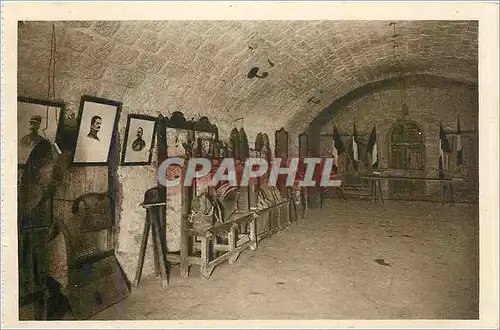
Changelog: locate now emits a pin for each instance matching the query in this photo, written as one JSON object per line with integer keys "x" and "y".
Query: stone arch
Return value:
{"x": 417, "y": 80}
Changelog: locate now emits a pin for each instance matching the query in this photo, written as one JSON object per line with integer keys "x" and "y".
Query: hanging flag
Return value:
{"x": 460, "y": 155}
{"x": 335, "y": 156}
{"x": 443, "y": 139}
{"x": 444, "y": 146}
{"x": 355, "y": 154}
{"x": 338, "y": 146}
{"x": 371, "y": 148}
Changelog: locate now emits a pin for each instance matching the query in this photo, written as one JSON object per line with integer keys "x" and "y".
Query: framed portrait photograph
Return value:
{"x": 139, "y": 140}
{"x": 205, "y": 144}
{"x": 178, "y": 142}
{"x": 36, "y": 120}
{"x": 97, "y": 124}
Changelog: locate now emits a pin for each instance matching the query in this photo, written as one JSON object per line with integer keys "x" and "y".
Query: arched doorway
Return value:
{"x": 407, "y": 147}
{"x": 407, "y": 158}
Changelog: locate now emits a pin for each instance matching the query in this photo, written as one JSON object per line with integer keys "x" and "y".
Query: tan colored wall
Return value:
{"x": 427, "y": 107}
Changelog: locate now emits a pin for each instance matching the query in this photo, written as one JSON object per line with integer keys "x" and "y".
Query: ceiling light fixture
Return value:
{"x": 399, "y": 64}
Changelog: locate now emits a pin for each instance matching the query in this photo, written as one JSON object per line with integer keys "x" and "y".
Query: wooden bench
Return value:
{"x": 273, "y": 218}
{"x": 208, "y": 244}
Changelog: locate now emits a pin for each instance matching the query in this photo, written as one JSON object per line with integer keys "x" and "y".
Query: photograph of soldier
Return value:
{"x": 36, "y": 121}
{"x": 33, "y": 137}
{"x": 97, "y": 119}
{"x": 139, "y": 143}
{"x": 139, "y": 140}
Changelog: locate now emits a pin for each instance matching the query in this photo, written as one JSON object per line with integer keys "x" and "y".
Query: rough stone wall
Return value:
{"x": 200, "y": 68}
{"x": 133, "y": 180}
{"x": 80, "y": 77}
{"x": 428, "y": 106}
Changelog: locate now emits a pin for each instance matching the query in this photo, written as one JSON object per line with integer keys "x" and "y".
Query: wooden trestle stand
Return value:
{"x": 154, "y": 207}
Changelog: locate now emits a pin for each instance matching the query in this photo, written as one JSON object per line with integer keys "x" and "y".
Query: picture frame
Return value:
{"x": 97, "y": 128}
{"x": 206, "y": 144}
{"x": 139, "y": 151}
{"x": 206, "y": 135}
{"x": 33, "y": 116}
{"x": 179, "y": 136}
{"x": 178, "y": 142}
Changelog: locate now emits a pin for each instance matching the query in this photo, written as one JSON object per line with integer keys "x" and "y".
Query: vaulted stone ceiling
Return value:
{"x": 201, "y": 67}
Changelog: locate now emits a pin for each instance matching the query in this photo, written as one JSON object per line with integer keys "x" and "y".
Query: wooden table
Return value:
{"x": 446, "y": 184}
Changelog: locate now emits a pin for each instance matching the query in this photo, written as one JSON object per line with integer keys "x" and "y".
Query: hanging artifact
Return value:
{"x": 244, "y": 148}
{"x": 281, "y": 143}
{"x": 35, "y": 224}
{"x": 202, "y": 212}
{"x": 259, "y": 142}
{"x": 222, "y": 149}
{"x": 266, "y": 147}
{"x": 234, "y": 144}
{"x": 227, "y": 196}
{"x": 303, "y": 145}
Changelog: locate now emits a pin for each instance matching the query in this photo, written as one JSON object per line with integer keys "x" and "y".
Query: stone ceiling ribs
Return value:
{"x": 201, "y": 67}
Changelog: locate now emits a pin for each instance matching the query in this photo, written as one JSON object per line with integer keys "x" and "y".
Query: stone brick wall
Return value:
{"x": 427, "y": 106}
{"x": 200, "y": 68}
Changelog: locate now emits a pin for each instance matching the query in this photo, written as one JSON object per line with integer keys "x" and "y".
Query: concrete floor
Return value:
{"x": 326, "y": 268}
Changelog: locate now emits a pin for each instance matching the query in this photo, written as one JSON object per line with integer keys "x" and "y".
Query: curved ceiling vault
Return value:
{"x": 202, "y": 67}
